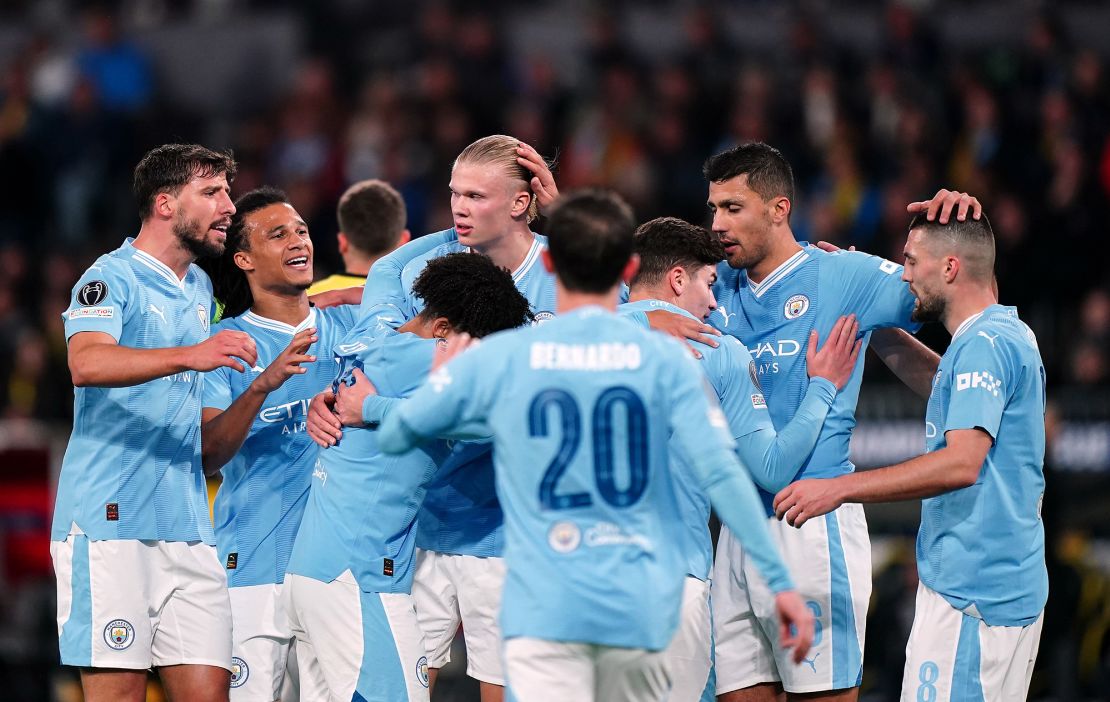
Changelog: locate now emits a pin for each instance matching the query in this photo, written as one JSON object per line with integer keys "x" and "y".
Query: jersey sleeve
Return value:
{"x": 981, "y": 384}
{"x": 701, "y": 433}
{"x": 344, "y": 317}
{"x": 457, "y": 396}
{"x": 731, "y": 372}
{"x": 217, "y": 389}
{"x": 100, "y": 300}
{"x": 383, "y": 285}
{"x": 871, "y": 287}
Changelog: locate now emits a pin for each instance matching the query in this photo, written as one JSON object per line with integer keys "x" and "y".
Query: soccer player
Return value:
{"x": 254, "y": 425}
{"x": 772, "y": 295}
{"x": 371, "y": 217}
{"x": 139, "y": 583}
{"x": 980, "y": 548}
{"x": 351, "y": 572}
{"x": 678, "y": 266}
{"x": 582, "y": 409}
{"x": 498, "y": 185}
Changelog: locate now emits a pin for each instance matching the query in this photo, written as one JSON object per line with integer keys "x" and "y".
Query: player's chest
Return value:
{"x": 171, "y": 318}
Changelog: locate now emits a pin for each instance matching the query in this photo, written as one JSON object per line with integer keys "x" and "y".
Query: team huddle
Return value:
{"x": 522, "y": 436}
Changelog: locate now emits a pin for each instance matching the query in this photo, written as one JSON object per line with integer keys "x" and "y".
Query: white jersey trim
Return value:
{"x": 274, "y": 325}
{"x": 158, "y": 267}
{"x": 529, "y": 259}
{"x": 965, "y": 324}
{"x": 758, "y": 289}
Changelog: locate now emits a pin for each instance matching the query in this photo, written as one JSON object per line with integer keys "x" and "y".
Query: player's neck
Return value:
{"x": 647, "y": 292}
{"x": 161, "y": 243}
{"x": 783, "y": 246}
{"x": 510, "y": 250}
{"x": 357, "y": 264}
{"x": 280, "y": 307}
{"x": 966, "y": 304}
{"x": 570, "y": 300}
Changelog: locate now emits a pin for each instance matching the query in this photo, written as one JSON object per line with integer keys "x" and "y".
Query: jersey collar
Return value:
{"x": 784, "y": 269}
{"x": 530, "y": 258}
{"x": 155, "y": 265}
{"x": 274, "y": 325}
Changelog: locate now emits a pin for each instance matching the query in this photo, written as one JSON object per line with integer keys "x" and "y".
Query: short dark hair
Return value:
{"x": 372, "y": 215}
{"x": 474, "y": 294}
{"x": 229, "y": 282}
{"x": 769, "y": 173}
{"x": 170, "y": 167}
{"x": 972, "y": 240}
{"x": 590, "y": 237}
{"x": 666, "y": 242}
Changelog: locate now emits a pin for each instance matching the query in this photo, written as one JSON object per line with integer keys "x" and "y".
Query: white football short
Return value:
{"x": 450, "y": 590}
{"x": 956, "y": 657}
{"x": 136, "y": 604}
{"x": 690, "y": 654}
{"x": 829, "y": 559}
{"x": 558, "y": 671}
{"x": 261, "y": 643}
{"x": 355, "y": 645}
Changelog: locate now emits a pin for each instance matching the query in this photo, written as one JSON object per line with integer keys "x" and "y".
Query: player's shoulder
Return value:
{"x": 236, "y": 323}
{"x": 997, "y": 330}
{"x": 844, "y": 260}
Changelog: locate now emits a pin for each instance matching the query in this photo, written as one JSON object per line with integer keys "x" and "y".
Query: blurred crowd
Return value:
{"x": 395, "y": 92}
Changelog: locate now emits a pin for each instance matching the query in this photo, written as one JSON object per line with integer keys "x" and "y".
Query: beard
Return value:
{"x": 928, "y": 309}
{"x": 194, "y": 239}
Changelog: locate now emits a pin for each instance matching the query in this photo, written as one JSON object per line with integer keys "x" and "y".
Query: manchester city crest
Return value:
{"x": 796, "y": 306}
{"x": 240, "y": 671}
{"x": 422, "y": 670}
{"x": 119, "y": 634}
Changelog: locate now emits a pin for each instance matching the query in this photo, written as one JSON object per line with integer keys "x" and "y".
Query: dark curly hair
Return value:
{"x": 474, "y": 294}
{"x": 229, "y": 282}
{"x": 666, "y": 242}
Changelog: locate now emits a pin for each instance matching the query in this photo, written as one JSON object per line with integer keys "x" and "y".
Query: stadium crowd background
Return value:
{"x": 874, "y": 104}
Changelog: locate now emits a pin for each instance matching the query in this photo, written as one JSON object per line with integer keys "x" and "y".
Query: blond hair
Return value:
{"x": 499, "y": 150}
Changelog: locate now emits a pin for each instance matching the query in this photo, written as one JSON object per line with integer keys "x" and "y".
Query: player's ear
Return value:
{"x": 403, "y": 238}
{"x": 521, "y": 200}
{"x": 342, "y": 242}
{"x": 780, "y": 210}
{"x": 441, "y": 328}
{"x": 630, "y": 269}
{"x": 951, "y": 268}
{"x": 243, "y": 261}
{"x": 676, "y": 277}
{"x": 548, "y": 264}
{"x": 164, "y": 205}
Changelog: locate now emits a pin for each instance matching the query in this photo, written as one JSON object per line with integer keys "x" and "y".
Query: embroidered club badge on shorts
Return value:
{"x": 119, "y": 634}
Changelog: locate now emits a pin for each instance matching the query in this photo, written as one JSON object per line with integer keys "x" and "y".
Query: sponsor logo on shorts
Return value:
{"x": 92, "y": 293}
{"x": 240, "y": 671}
{"x": 796, "y": 306}
{"x": 422, "y": 670}
{"x": 119, "y": 634}
{"x": 564, "y": 537}
{"x": 541, "y": 317}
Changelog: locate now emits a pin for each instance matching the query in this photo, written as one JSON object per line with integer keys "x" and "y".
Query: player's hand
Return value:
{"x": 455, "y": 345}
{"x": 683, "y": 328}
{"x": 334, "y": 298}
{"x": 831, "y": 247}
{"x": 348, "y": 403}
{"x": 543, "y": 182}
{"x": 799, "y": 502}
{"x": 288, "y": 363}
{"x": 322, "y": 424}
{"x": 943, "y": 203}
{"x": 222, "y": 349}
{"x": 795, "y": 624}
{"x": 837, "y": 357}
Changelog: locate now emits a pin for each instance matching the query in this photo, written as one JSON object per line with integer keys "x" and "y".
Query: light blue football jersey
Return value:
{"x": 265, "y": 485}
{"x": 982, "y": 546}
{"x": 363, "y": 503}
{"x": 132, "y": 469}
{"x": 583, "y": 409}
{"x": 460, "y": 513}
{"x": 811, "y": 290}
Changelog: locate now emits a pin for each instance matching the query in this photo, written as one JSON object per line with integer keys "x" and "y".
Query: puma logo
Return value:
{"x": 153, "y": 308}
{"x": 988, "y": 337}
{"x": 812, "y": 662}
{"x": 725, "y": 314}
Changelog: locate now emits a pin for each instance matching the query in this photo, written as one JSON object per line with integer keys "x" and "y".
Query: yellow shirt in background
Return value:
{"x": 337, "y": 282}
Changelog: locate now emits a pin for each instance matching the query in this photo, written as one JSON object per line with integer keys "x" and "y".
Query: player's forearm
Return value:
{"x": 383, "y": 284}
{"x": 775, "y": 458}
{"x": 737, "y": 504}
{"x": 913, "y": 362}
{"x": 376, "y": 408}
{"x": 115, "y": 366}
{"x": 929, "y": 475}
{"x": 394, "y": 436}
{"x": 222, "y": 436}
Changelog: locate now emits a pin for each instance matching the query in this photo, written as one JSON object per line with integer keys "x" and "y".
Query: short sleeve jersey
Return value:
{"x": 982, "y": 547}
{"x": 727, "y": 368}
{"x": 132, "y": 469}
{"x": 362, "y": 507}
{"x": 773, "y": 319}
{"x": 265, "y": 485}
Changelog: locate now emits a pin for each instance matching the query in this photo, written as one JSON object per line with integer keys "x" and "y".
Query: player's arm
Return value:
{"x": 913, "y": 362}
{"x": 682, "y": 328}
{"x": 96, "y": 359}
{"x": 383, "y": 284}
{"x": 337, "y": 297}
{"x": 224, "y": 427}
{"x": 776, "y": 457}
{"x": 955, "y": 466}
{"x": 701, "y": 434}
